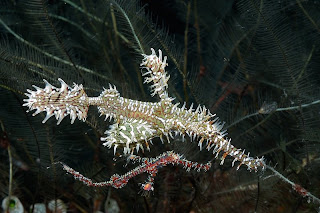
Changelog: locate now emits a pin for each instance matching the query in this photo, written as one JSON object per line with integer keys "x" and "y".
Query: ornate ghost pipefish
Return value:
{"x": 138, "y": 122}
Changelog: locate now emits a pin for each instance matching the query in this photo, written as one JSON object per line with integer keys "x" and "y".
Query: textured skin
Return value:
{"x": 137, "y": 122}
{"x": 147, "y": 165}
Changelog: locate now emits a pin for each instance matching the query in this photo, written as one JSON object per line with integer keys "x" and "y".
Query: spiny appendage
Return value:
{"x": 199, "y": 124}
{"x": 155, "y": 67}
{"x": 148, "y": 165}
{"x": 196, "y": 122}
{"x": 119, "y": 108}
{"x": 221, "y": 144}
{"x": 106, "y": 102}
{"x": 59, "y": 102}
{"x": 212, "y": 133}
{"x": 129, "y": 134}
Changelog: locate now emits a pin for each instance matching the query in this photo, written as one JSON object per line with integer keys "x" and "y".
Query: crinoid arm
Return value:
{"x": 58, "y": 102}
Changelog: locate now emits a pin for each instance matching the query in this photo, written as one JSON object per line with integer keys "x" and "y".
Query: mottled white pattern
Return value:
{"x": 137, "y": 122}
